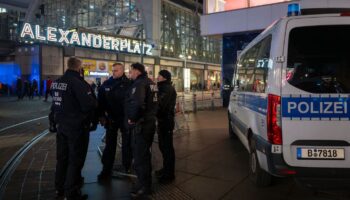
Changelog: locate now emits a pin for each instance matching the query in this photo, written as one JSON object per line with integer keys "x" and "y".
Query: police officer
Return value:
{"x": 141, "y": 114}
{"x": 111, "y": 98}
{"x": 166, "y": 123}
{"x": 73, "y": 106}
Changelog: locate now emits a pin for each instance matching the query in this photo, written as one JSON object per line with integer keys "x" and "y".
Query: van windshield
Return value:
{"x": 319, "y": 59}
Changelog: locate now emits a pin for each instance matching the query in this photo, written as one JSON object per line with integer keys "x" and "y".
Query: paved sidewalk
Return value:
{"x": 208, "y": 166}
{"x": 13, "y": 111}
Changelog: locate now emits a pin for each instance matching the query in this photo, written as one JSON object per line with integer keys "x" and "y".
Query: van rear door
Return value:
{"x": 316, "y": 92}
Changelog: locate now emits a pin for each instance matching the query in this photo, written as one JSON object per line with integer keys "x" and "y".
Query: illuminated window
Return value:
{"x": 3, "y": 10}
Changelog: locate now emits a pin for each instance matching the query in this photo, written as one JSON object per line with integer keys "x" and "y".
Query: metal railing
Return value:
{"x": 192, "y": 102}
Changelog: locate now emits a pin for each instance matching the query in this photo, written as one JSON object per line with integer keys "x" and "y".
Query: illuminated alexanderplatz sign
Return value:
{"x": 97, "y": 41}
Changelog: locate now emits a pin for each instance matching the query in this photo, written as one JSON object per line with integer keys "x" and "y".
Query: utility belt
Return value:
{"x": 148, "y": 118}
{"x": 110, "y": 123}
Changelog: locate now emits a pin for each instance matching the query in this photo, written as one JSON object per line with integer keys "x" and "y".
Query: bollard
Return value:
{"x": 212, "y": 101}
{"x": 194, "y": 103}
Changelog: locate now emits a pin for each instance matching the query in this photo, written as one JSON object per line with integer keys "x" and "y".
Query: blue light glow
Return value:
{"x": 35, "y": 68}
{"x": 294, "y": 9}
{"x": 9, "y": 72}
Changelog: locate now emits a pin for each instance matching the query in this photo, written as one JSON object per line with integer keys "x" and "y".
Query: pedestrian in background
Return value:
{"x": 34, "y": 88}
{"x": 41, "y": 92}
{"x": 166, "y": 123}
{"x": 73, "y": 106}
{"x": 25, "y": 89}
{"x": 19, "y": 87}
{"x": 111, "y": 98}
{"x": 30, "y": 90}
{"x": 48, "y": 87}
{"x": 141, "y": 110}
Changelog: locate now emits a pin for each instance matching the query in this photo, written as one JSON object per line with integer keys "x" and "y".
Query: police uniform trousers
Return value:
{"x": 109, "y": 152}
{"x": 165, "y": 139}
{"x": 72, "y": 145}
{"x": 142, "y": 137}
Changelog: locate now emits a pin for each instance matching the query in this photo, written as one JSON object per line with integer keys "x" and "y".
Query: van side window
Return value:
{"x": 252, "y": 68}
{"x": 262, "y": 66}
{"x": 318, "y": 59}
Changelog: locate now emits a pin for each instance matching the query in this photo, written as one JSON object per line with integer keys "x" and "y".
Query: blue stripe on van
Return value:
{"x": 239, "y": 124}
{"x": 253, "y": 102}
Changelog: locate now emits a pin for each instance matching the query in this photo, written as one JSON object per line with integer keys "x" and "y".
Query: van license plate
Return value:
{"x": 320, "y": 153}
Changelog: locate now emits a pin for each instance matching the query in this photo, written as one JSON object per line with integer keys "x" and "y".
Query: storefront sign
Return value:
{"x": 72, "y": 37}
{"x": 99, "y": 74}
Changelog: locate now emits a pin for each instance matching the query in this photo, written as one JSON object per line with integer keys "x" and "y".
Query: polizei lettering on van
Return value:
{"x": 330, "y": 107}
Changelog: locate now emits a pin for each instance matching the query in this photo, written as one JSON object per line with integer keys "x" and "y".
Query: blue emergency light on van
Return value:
{"x": 294, "y": 9}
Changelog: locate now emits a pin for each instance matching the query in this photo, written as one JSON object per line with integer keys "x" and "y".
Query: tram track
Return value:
{"x": 15, "y": 141}
{"x": 11, "y": 164}
{"x": 16, "y": 136}
{"x": 21, "y": 123}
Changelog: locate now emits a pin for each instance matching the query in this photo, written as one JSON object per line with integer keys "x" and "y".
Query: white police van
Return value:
{"x": 290, "y": 106}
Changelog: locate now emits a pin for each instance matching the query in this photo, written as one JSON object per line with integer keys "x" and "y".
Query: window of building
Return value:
{"x": 95, "y": 14}
{"x": 180, "y": 35}
{"x": 197, "y": 79}
{"x": 3, "y": 10}
{"x": 214, "y": 78}
{"x": 252, "y": 68}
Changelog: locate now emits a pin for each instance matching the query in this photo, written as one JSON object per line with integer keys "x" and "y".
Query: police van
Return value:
{"x": 290, "y": 106}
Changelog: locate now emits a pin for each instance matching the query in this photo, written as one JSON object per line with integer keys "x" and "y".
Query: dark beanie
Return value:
{"x": 166, "y": 74}
{"x": 138, "y": 66}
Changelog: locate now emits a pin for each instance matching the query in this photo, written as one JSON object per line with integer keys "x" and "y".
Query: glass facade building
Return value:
{"x": 9, "y": 22}
{"x": 178, "y": 46}
{"x": 180, "y": 35}
{"x": 115, "y": 16}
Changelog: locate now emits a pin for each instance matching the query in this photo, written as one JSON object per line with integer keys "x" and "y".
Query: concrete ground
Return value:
{"x": 209, "y": 165}
{"x": 13, "y": 132}
{"x": 13, "y": 111}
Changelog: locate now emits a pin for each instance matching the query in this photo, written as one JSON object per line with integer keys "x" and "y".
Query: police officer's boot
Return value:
{"x": 142, "y": 192}
{"x": 159, "y": 173}
{"x": 59, "y": 194}
{"x": 165, "y": 179}
{"x": 104, "y": 178}
{"x": 77, "y": 196}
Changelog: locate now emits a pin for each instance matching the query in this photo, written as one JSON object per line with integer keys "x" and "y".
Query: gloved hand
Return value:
{"x": 93, "y": 126}
{"x": 102, "y": 120}
{"x": 53, "y": 128}
{"x": 131, "y": 124}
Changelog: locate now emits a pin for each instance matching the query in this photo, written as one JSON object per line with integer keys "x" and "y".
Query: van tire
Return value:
{"x": 232, "y": 134}
{"x": 259, "y": 176}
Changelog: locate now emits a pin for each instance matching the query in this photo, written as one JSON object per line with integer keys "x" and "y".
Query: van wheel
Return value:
{"x": 259, "y": 176}
{"x": 232, "y": 134}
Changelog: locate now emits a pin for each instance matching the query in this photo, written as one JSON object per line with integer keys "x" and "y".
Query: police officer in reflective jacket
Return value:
{"x": 165, "y": 117}
{"x": 141, "y": 111}
{"x": 111, "y": 98}
{"x": 73, "y": 107}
